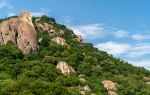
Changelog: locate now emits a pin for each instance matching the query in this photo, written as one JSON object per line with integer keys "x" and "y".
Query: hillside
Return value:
{"x": 38, "y": 56}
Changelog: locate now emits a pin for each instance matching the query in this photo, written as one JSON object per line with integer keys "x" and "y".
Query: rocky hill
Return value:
{"x": 41, "y": 57}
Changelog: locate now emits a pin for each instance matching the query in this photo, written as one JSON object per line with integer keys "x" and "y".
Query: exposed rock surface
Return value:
{"x": 110, "y": 86}
{"x": 148, "y": 83}
{"x": 85, "y": 89}
{"x": 8, "y": 31}
{"x": 46, "y": 27}
{"x": 61, "y": 32}
{"x": 59, "y": 40}
{"x": 112, "y": 93}
{"x": 21, "y": 32}
{"x": 79, "y": 38}
{"x": 147, "y": 78}
{"x": 43, "y": 27}
{"x": 81, "y": 76}
{"x": 65, "y": 68}
{"x": 82, "y": 80}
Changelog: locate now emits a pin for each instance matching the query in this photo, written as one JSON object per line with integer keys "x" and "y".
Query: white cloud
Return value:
{"x": 93, "y": 31}
{"x": 141, "y": 37}
{"x": 41, "y": 12}
{"x": 90, "y": 31}
{"x": 11, "y": 14}
{"x": 138, "y": 53}
{"x": 45, "y": 10}
{"x": 121, "y": 33}
{"x": 124, "y": 49}
{"x": 139, "y": 50}
{"x": 66, "y": 19}
{"x": 114, "y": 48}
{"x": 36, "y": 14}
{"x": 142, "y": 63}
{"x": 4, "y": 4}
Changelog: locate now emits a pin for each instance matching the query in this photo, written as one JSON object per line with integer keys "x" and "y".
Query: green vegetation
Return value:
{"x": 36, "y": 74}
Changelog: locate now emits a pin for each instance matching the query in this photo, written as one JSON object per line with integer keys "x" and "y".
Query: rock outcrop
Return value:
{"x": 85, "y": 90}
{"x": 82, "y": 80}
{"x": 46, "y": 27}
{"x": 148, "y": 83}
{"x": 59, "y": 40}
{"x": 79, "y": 38}
{"x": 21, "y": 32}
{"x": 27, "y": 36}
{"x": 112, "y": 93}
{"x": 110, "y": 86}
{"x": 65, "y": 68}
{"x": 43, "y": 27}
{"x": 8, "y": 31}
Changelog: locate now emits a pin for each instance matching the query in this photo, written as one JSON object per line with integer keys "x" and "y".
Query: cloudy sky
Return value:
{"x": 120, "y": 27}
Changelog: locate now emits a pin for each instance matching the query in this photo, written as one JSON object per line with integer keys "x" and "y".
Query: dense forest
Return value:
{"x": 36, "y": 73}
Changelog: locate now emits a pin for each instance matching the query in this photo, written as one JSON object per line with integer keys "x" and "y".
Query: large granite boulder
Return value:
{"x": 65, "y": 68}
{"x": 85, "y": 90}
{"x": 21, "y": 32}
{"x": 110, "y": 86}
{"x": 59, "y": 40}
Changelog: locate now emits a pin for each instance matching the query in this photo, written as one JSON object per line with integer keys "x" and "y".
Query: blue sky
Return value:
{"x": 120, "y": 27}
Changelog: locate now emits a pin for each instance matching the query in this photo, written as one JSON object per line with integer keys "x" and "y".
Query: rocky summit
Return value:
{"x": 39, "y": 56}
{"x": 21, "y": 32}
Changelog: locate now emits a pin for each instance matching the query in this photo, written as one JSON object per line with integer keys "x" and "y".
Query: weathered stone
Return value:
{"x": 85, "y": 89}
{"x": 38, "y": 19}
{"x": 52, "y": 31}
{"x": 112, "y": 93}
{"x": 92, "y": 94}
{"x": 81, "y": 76}
{"x": 82, "y": 80}
{"x": 79, "y": 38}
{"x": 8, "y": 31}
{"x": 109, "y": 85}
{"x": 61, "y": 32}
{"x": 148, "y": 83}
{"x": 65, "y": 68}
{"x": 147, "y": 78}
{"x": 43, "y": 27}
{"x": 40, "y": 40}
{"x": 59, "y": 40}
{"x": 27, "y": 36}
{"x": 21, "y": 32}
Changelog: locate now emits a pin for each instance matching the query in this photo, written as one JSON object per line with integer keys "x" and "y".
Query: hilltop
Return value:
{"x": 38, "y": 56}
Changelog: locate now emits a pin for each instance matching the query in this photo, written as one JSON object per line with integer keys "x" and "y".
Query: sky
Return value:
{"x": 120, "y": 27}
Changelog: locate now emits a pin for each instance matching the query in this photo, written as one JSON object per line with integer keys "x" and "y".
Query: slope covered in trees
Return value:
{"x": 36, "y": 74}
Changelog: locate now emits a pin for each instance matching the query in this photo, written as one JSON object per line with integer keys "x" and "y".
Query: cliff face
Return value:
{"x": 21, "y": 32}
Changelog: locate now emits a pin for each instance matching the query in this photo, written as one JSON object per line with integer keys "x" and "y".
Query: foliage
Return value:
{"x": 36, "y": 74}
